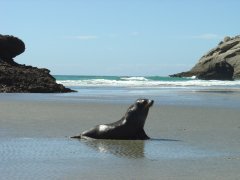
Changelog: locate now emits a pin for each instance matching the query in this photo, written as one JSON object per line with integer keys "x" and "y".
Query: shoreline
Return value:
{"x": 207, "y": 97}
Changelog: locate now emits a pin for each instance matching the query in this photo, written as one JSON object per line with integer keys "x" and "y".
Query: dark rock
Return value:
{"x": 227, "y": 53}
{"x": 21, "y": 78}
{"x": 183, "y": 74}
{"x": 219, "y": 71}
{"x": 17, "y": 78}
{"x": 10, "y": 47}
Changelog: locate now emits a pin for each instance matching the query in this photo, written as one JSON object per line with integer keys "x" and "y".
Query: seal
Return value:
{"x": 129, "y": 127}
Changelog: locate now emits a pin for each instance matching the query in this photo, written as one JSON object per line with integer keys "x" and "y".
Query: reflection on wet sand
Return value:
{"x": 120, "y": 148}
{"x": 123, "y": 148}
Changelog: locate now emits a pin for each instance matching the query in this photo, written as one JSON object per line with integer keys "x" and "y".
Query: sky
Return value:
{"x": 118, "y": 37}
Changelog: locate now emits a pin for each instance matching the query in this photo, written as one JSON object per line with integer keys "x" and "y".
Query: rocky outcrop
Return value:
{"x": 17, "y": 78}
{"x": 219, "y": 71}
{"x": 218, "y": 62}
{"x": 27, "y": 79}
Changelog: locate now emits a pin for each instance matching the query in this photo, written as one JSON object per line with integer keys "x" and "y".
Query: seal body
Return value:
{"x": 129, "y": 127}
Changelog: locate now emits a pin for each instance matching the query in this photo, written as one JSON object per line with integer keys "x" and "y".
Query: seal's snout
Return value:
{"x": 149, "y": 104}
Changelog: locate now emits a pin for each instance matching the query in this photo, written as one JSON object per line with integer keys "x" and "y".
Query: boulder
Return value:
{"x": 219, "y": 59}
{"x": 10, "y": 47}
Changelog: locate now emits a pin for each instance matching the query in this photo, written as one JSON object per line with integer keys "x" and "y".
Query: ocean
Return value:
{"x": 164, "y": 90}
{"x": 143, "y": 82}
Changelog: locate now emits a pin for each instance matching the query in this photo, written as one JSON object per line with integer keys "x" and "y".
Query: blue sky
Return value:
{"x": 118, "y": 37}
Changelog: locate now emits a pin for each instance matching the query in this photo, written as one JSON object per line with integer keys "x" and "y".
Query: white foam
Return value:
{"x": 193, "y": 77}
{"x": 134, "y": 78}
{"x": 148, "y": 84}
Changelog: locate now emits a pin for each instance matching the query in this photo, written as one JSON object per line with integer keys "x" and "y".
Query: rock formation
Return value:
{"x": 219, "y": 71}
{"x": 16, "y": 78}
{"x": 10, "y": 47}
{"x": 218, "y": 62}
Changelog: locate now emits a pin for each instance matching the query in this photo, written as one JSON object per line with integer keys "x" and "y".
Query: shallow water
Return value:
{"x": 59, "y": 158}
{"x": 197, "y": 97}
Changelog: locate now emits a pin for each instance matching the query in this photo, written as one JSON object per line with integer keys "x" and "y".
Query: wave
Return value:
{"x": 134, "y": 78}
{"x": 144, "y": 82}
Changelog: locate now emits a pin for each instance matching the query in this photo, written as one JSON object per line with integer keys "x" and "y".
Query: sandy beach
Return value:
{"x": 187, "y": 142}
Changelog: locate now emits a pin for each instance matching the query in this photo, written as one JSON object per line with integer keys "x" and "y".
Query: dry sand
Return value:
{"x": 188, "y": 142}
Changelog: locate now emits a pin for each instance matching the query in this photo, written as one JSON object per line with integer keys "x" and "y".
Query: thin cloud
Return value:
{"x": 113, "y": 35}
{"x": 83, "y": 37}
{"x": 86, "y": 37}
{"x": 135, "y": 33}
{"x": 207, "y": 36}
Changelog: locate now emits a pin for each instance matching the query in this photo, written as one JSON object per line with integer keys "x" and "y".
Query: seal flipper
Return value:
{"x": 77, "y": 136}
{"x": 141, "y": 135}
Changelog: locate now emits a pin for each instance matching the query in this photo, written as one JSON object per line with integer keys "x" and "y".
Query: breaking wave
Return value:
{"x": 143, "y": 82}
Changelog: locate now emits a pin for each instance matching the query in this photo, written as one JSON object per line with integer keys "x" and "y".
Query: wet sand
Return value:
{"x": 187, "y": 142}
